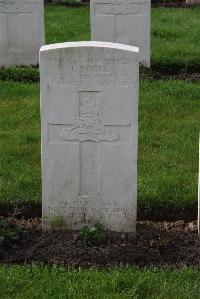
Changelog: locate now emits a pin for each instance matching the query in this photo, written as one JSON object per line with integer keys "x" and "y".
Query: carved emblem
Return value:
{"x": 14, "y": 7}
{"x": 90, "y": 127}
{"x": 121, "y": 7}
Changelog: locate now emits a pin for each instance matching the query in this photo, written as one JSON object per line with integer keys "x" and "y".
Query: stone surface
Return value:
{"x": 21, "y": 31}
{"x": 89, "y": 111}
{"x": 123, "y": 21}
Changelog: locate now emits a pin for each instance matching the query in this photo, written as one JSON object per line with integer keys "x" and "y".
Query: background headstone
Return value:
{"x": 123, "y": 21}
{"x": 89, "y": 112}
{"x": 21, "y": 31}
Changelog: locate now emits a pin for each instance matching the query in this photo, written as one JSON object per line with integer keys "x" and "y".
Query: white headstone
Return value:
{"x": 21, "y": 31}
{"x": 123, "y": 21}
{"x": 89, "y": 112}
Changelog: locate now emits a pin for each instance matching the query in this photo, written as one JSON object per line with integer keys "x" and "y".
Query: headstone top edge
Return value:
{"x": 87, "y": 44}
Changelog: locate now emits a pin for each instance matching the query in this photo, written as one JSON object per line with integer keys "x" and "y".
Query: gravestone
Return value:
{"x": 21, "y": 31}
{"x": 123, "y": 21}
{"x": 89, "y": 112}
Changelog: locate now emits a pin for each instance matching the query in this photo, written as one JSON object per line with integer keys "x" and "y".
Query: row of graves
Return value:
{"x": 89, "y": 108}
{"x": 120, "y": 21}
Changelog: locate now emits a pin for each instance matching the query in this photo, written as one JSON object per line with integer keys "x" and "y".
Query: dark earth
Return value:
{"x": 158, "y": 244}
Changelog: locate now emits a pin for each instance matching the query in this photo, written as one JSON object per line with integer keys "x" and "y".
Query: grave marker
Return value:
{"x": 89, "y": 107}
{"x": 123, "y": 21}
{"x": 21, "y": 31}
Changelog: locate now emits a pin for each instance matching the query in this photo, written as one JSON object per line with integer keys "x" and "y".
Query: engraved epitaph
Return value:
{"x": 21, "y": 31}
{"x": 89, "y": 106}
{"x": 123, "y": 21}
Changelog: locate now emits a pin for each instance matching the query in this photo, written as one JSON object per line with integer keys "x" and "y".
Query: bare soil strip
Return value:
{"x": 160, "y": 244}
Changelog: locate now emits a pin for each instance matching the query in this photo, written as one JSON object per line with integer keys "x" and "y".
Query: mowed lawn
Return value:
{"x": 169, "y": 115}
{"x": 168, "y": 143}
{"x": 45, "y": 282}
{"x": 174, "y": 34}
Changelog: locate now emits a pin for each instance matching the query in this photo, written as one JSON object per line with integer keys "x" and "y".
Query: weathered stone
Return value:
{"x": 123, "y": 21}
{"x": 89, "y": 111}
{"x": 21, "y": 31}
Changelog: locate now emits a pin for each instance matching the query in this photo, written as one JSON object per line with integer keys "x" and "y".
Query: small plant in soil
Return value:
{"x": 16, "y": 207}
{"x": 9, "y": 233}
{"x": 93, "y": 235}
{"x": 57, "y": 222}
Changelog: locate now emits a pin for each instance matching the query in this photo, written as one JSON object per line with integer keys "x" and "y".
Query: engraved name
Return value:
{"x": 96, "y": 70}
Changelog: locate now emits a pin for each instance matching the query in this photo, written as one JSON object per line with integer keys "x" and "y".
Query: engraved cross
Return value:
{"x": 89, "y": 131}
{"x": 120, "y": 10}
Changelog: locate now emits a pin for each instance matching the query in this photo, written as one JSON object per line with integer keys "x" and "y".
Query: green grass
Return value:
{"x": 45, "y": 282}
{"x": 64, "y": 24}
{"x": 175, "y": 39}
{"x": 169, "y": 119}
{"x": 169, "y": 115}
{"x": 168, "y": 143}
{"x": 167, "y": 163}
{"x": 175, "y": 33}
{"x": 175, "y": 36}
{"x": 19, "y": 142}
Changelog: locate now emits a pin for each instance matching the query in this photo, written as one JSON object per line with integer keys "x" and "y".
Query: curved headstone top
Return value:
{"x": 89, "y": 113}
{"x": 91, "y": 44}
